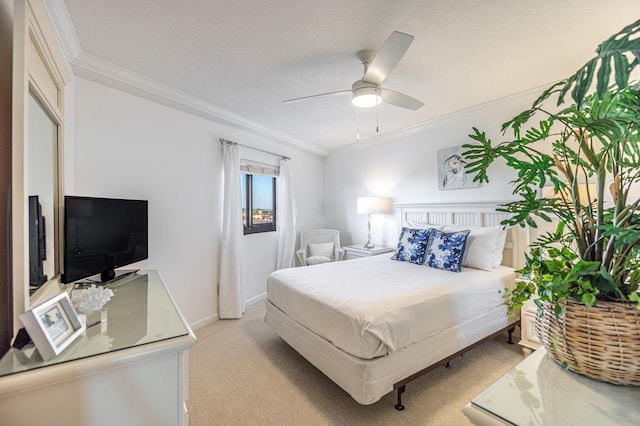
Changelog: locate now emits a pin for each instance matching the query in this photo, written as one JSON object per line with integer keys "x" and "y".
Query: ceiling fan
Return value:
{"x": 368, "y": 92}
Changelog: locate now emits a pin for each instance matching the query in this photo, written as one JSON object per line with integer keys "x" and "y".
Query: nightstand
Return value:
{"x": 528, "y": 318}
{"x": 356, "y": 251}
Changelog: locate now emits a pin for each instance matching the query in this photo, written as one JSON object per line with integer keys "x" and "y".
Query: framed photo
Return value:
{"x": 451, "y": 173}
{"x": 53, "y": 325}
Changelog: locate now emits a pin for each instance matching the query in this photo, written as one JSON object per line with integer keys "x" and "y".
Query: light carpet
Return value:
{"x": 242, "y": 373}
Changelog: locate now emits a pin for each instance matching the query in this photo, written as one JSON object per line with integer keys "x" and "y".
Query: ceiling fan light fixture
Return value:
{"x": 365, "y": 95}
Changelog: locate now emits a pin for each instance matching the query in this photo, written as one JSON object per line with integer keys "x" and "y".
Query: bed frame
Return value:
{"x": 328, "y": 359}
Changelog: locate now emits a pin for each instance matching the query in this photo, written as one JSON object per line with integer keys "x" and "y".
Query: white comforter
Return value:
{"x": 372, "y": 306}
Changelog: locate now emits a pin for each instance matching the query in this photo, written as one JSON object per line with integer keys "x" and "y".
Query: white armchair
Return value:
{"x": 319, "y": 246}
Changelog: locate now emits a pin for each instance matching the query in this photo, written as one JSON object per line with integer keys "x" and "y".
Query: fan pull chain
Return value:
{"x": 377, "y": 118}
{"x": 357, "y": 124}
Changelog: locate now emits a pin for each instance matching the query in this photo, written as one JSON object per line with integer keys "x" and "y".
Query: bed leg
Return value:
{"x": 399, "y": 405}
{"x": 510, "y": 331}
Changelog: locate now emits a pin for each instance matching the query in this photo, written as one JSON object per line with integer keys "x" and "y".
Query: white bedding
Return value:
{"x": 371, "y": 307}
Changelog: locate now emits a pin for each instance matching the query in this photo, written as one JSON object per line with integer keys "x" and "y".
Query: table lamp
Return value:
{"x": 369, "y": 206}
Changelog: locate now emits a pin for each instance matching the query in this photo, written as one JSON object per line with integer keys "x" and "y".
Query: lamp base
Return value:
{"x": 369, "y": 245}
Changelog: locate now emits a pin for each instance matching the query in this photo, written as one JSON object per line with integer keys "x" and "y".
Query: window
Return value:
{"x": 258, "y": 202}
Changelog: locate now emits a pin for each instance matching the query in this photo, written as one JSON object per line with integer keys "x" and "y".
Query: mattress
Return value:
{"x": 368, "y": 380}
{"x": 375, "y": 306}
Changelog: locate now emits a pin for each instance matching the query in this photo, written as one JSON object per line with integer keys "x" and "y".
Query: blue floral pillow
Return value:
{"x": 412, "y": 245}
{"x": 445, "y": 250}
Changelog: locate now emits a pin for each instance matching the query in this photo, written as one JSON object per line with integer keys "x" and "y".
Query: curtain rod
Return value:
{"x": 224, "y": 141}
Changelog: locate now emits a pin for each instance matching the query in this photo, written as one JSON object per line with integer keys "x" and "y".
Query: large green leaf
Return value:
{"x": 623, "y": 49}
{"x": 603, "y": 75}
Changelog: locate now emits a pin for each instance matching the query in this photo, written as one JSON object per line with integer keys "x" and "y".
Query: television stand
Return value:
{"x": 132, "y": 369}
{"x": 111, "y": 276}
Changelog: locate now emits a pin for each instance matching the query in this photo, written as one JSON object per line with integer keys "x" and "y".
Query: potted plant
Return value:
{"x": 585, "y": 159}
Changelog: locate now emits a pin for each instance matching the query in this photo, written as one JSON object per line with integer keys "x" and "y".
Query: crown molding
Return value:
{"x": 522, "y": 100}
{"x": 104, "y": 72}
{"x": 109, "y": 74}
{"x": 64, "y": 29}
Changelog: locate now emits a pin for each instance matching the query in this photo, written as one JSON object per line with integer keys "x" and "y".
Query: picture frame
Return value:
{"x": 53, "y": 325}
{"x": 451, "y": 173}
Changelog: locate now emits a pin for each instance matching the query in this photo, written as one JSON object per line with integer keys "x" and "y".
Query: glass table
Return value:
{"x": 130, "y": 368}
{"x": 539, "y": 391}
{"x": 141, "y": 311}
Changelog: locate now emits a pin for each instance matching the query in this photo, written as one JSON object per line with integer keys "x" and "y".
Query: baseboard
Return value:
{"x": 213, "y": 318}
{"x": 255, "y": 299}
{"x": 204, "y": 322}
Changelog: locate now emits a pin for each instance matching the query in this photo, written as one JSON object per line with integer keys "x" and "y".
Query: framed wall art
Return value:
{"x": 451, "y": 173}
{"x": 53, "y": 325}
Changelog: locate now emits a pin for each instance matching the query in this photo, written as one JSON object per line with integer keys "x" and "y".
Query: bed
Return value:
{"x": 374, "y": 324}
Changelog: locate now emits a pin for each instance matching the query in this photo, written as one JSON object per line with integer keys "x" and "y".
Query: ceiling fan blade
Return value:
{"x": 401, "y": 100}
{"x": 387, "y": 57}
{"x": 339, "y": 92}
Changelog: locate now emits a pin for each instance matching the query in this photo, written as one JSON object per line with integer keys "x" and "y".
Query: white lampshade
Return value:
{"x": 373, "y": 205}
{"x": 586, "y": 191}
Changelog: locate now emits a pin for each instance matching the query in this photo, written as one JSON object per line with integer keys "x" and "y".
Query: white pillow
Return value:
{"x": 315, "y": 260}
{"x": 321, "y": 249}
{"x": 497, "y": 255}
{"x": 480, "y": 250}
{"x": 416, "y": 225}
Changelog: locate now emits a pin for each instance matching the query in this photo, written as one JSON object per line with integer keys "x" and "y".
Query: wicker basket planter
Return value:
{"x": 601, "y": 342}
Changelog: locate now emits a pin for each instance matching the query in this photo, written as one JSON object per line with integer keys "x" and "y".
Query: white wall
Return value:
{"x": 404, "y": 167}
{"x": 129, "y": 147}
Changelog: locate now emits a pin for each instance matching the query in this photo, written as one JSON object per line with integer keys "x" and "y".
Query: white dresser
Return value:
{"x": 130, "y": 369}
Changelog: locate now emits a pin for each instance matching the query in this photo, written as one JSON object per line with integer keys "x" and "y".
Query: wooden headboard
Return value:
{"x": 471, "y": 214}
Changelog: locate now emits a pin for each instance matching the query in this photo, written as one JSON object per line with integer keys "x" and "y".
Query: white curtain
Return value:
{"x": 230, "y": 299}
{"x": 285, "y": 218}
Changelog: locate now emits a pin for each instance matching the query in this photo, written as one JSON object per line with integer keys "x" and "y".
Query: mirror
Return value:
{"x": 40, "y": 74}
{"x": 42, "y": 191}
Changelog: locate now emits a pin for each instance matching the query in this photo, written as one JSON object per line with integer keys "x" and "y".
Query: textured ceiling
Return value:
{"x": 248, "y": 56}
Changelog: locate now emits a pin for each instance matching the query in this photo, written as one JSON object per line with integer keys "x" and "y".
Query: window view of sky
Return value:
{"x": 262, "y": 191}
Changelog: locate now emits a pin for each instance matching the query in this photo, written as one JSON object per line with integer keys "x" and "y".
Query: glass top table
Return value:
{"x": 539, "y": 391}
{"x": 140, "y": 312}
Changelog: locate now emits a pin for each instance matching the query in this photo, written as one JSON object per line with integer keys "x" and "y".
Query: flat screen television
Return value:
{"x": 102, "y": 234}
{"x": 37, "y": 245}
